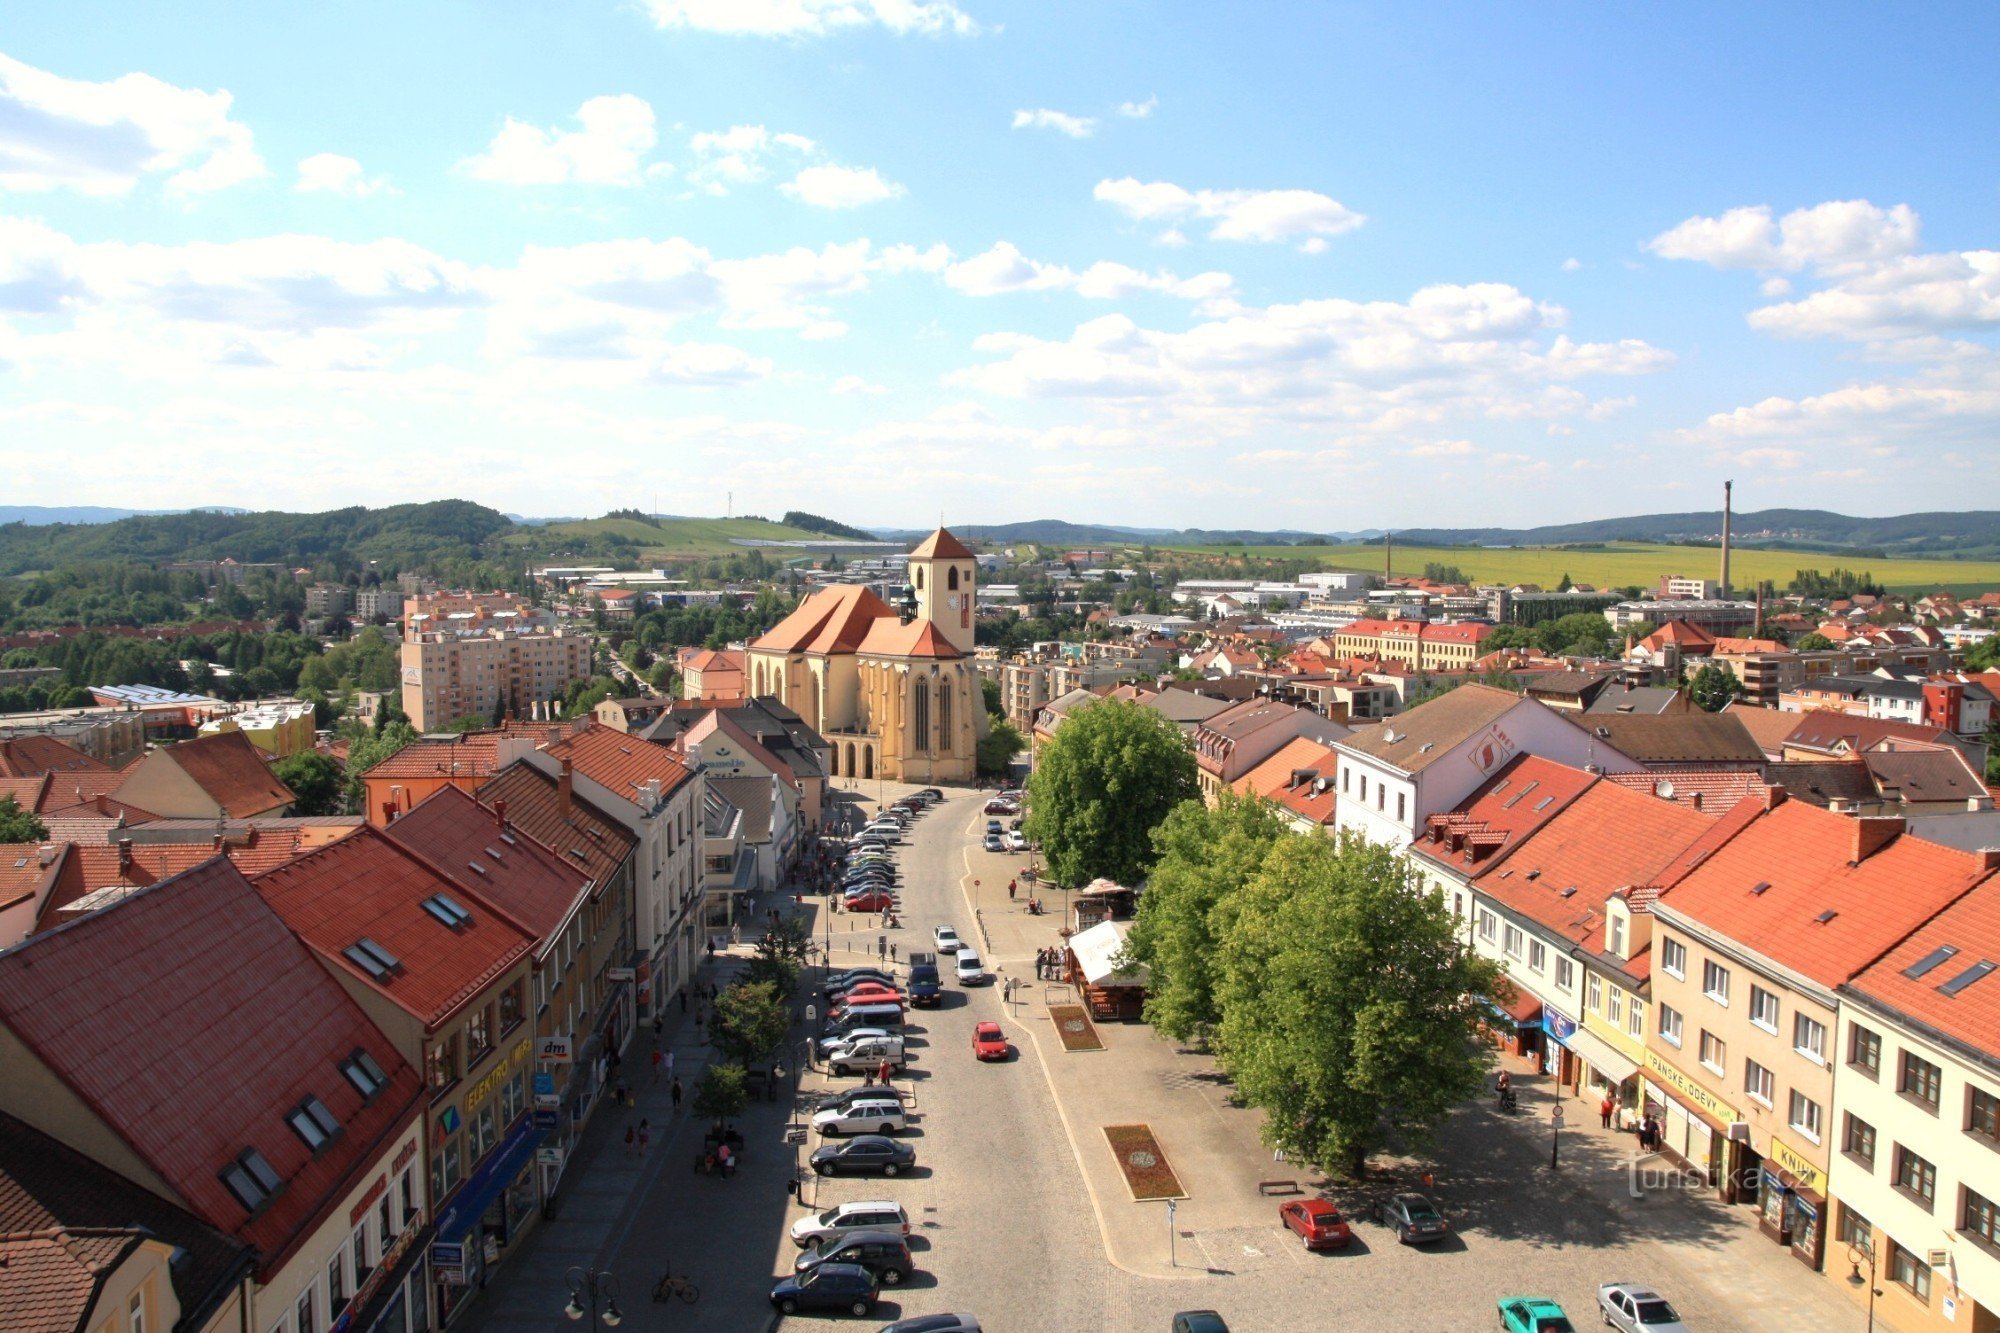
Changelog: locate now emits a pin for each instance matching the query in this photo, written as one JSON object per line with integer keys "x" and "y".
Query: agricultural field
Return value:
{"x": 1620, "y": 563}
{"x": 671, "y": 538}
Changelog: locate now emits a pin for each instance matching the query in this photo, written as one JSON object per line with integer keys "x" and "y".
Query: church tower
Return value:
{"x": 941, "y": 570}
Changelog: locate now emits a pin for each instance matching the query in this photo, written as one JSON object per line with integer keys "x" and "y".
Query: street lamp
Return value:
{"x": 1555, "y": 1136}
{"x": 1862, "y": 1249}
{"x": 586, "y": 1288}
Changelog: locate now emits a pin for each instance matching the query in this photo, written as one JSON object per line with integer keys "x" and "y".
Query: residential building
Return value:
{"x": 279, "y": 727}
{"x": 1234, "y": 741}
{"x": 1419, "y": 644}
{"x": 1024, "y": 688}
{"x": 1299, "y": 779}
{"x": 1569, "y": 690}
{"x": 797, "y": 752}
{"x": 445, "y": 974}
{"x": 1752, "y": 948}
{"x": 329, "y": 599}
{"x": 1716, "y": 615}
{"x": 113, "y": 737}
{"x": 214, "y": 777}
{"x": 712, "y": 674}
{"x": 1680, "y": 587}
{"x": 378, "y": 604}
{"x": 433, "y": 611}
{"x": 891, "y": 696}
{"x": 632, "y": 714}
{"x": 184, "y": 1039}
{"x": 1397, "y": 774}
{"x": 450, "y": 675}
{"x": 1680, "y": 742}
{"x": 1916, "y": 1120}
{"x": 465, "y": 760}
{"x": 32, "y": 756}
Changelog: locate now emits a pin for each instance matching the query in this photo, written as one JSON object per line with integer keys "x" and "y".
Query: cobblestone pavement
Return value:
{"x": 1020, "y": 1217}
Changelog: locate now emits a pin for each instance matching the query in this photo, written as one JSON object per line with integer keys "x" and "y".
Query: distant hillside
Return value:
{"x": 1904, "y": 533}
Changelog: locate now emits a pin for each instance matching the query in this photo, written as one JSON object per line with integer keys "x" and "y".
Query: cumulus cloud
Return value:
{"x": 1004, "y": 269}
{"x": 1833, "y": 235}
{"x": 840, "y": 187}
{"x": 104, "y": 138}
{"x": 1235, "y": 215}
{"x": 811, "y": 18}
{"x": 1139, "y": 110}
{"x": 616, "y": 134}
{"x": 741, "y": 155}
{"x": 1076, "y": 127}
{"x": 331, "y": 173}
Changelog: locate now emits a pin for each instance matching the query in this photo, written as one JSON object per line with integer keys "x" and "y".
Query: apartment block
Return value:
{"x": 449, "y": 676}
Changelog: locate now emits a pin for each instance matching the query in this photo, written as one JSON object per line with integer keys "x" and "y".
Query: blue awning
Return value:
{"x": 483, "y": 1186}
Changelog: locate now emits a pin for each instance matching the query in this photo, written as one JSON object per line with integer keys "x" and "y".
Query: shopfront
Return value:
{"x": 1695, "y": 1124}
{"x": 1791, "y": 1203}
{"x": 483, "y": 1217}
{"x": 1558, "y": 1061}
{"x": 1516, "y": 1025}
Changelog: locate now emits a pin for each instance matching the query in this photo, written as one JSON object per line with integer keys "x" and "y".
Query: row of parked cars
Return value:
{"x": 869, "y": 880}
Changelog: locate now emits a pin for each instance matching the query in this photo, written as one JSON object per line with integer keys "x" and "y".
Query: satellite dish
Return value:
{"x": 1664, "y": 790}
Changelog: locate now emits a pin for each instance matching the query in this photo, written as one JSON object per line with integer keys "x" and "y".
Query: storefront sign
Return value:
{"x": 1557, "y": 1025}
{"x": 495, "y": 1076}
{"x": 1808, "y": 1176}
{"x": 545, "y": 1084}
{"x": 1695, "y": 1094}
{"x": 618, "y": 974}
{"x": 381, "y": 1273}
{"x": 549, "y": 1155}
{"x": 553, "y": 1050}
{"x": 448, "y": 1262}
{"x": 545, "y": 1117}
{"x": 367, "y": 1201}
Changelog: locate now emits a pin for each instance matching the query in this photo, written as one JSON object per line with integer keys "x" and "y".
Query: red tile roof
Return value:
{"x": 584, "y": 834}
{"x": 230, "y": 771}
{"x": 919, "y": 638}
{"x": 1827, "y": 730}
{"x": 1818, "y": 864}
{"x": 1711, "y": 793}
{"x": 832, "y": 620}
{"x": 23, "y": 876}
{"x": 190, "y": 1020}
{"x": 27, "y": 792}
{"x": 472, "y": 754}
{"x": 1278, "y": 779}
{"x": 1767, "y": 726}
{"x": 369, "y": 885}
{"x": 941, "y": 545}
{"x": 32, "y": 756}
{"x": 1971, "y": 928}
{"x": 620, "y": 762}
{"x": 516, "y": 871}
{"x": 1525, "y": 794}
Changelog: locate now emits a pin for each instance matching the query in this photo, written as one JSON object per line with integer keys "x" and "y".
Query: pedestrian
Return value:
{"x": 1503, "y": 1083}
{"x": 883, "y": 1070}
{"x": 659, "y": 1060}
{"x": 645, "y": 1136}
{"x": 735, "y": 934}
{"x": 1010, "y": 890}
{"x": 631, "y": 1140}
{"x": 684, "y": 999}
{"x": 867, "y": 1078}
{"x": 670, "y": 1064}
{"x": 1604, "y": 1110}
{"x": 711, "y": 948}
{"x": 659, "y": 1025}
{"x": 622, "y": 1093}
{"x": 892, "y": 953}
{"x": 675, "y": 1093}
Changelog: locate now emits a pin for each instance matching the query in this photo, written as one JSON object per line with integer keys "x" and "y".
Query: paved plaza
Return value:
{"x": 1021, "y": 1216}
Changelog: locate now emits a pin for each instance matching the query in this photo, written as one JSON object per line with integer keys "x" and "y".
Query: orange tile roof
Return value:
{"x": 515, "y": 870}
{"x": 620, "y": 762}
{"x": 468, "y": 755}
{"x": 1711, "y": 793}
{"x": 1835, "y": 898}
{"x": 1767, "y": 726}
{"x": 1970, "y": 1014}
{"x": 1488, "y": 825}
{"x": 941, "y": 545}
{"x": 32, "y": 756}
{"x": 919, "y": 638}
{"x": 831, "y": 620}
{"x": 1274, "y": 779}
{"x": 23, "y": 877}
{"x": 27, "y": 792}
{"x": 230, "y": 771}
{"x": 584, "y": 835}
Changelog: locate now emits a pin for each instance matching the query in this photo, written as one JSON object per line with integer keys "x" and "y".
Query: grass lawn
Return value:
{"x": 1144, "y": 1164}
{"x": 1620, "y": 563}
{"x": 674, "y": 537}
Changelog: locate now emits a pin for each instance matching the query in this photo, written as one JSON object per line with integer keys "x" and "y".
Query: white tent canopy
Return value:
{"x": 1098, "y": 953}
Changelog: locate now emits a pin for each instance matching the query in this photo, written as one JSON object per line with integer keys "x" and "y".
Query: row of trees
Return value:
{"x": 1334, "y": 994}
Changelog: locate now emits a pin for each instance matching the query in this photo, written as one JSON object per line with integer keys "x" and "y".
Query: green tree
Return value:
{"x": 1103, "y": 784}
{"x": 781, "y": 952}
{"x": 1350, "y": 1013}
{"x": 1205, "y": 858}
{"x": 990, "y": 691}
{"x": 1812, "y": 643}
{"x": 315, "y": 781}
{"x": 470, "y": 722}
{"x": 19, "y": 825}
{"x": 368, "y": 751}
{"x": 997, "y": 748}
{"x": 1711, "y": 688}
{"x": 1580, "y": 632}
{"x": 720, "y": 1095}
{"x": 750, "y": 1020}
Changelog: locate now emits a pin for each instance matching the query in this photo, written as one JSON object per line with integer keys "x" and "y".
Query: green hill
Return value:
{"x": 659, "y": 539}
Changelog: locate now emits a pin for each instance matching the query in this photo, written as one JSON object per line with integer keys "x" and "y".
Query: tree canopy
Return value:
{"x": 750, "y": 1020}
{"x": 315, "y": 781}
{"x": 1105, "y": 781}
{"x": 1711, "y": 688}
{"x": 19, "y": 825}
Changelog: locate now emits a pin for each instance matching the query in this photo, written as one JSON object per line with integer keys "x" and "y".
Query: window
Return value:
{"x": 512, "y": 1001}
{"x": 311, "y": 1121}
{"x": 441, "y": 1064}
{"x": 1614, "y": 1008}
{"x": 336, "y": 1282}
{"x": 1381, "y": 795}
{"x": 1715, "y": 982}
{"x": 1565, "y": 974}
{"x": 1915, "y": 1176}
{"x": 445, "y": 1169}
{"x": 1400, "y": 798}
{"x": 251, "y": 1179}
{"x": 1805, "y": 1115}
{"x": 1864, "y": 1050}
{"x": 1910, "y": 1272}
{"x": 1713, "y": 1051}
{"x": 1855, "y": 1229}
{"x": 513, "y": 1099}
{"x": 1858, "y": 1140}
{"x": 1763, "y": 1008}
{"x": 1921, "y": 1081}
{"x": 478, "y": 1034}
{"x": 1982, "y": 1114}
{"x": 1809, "y": 1038}
{"x": 357, "y": 1250}
{"x": 1635, "y": 1018}
{"x": 361, "y": 1070}
{"x": 1670, "y": 1025}
{"x": 1674, "y": 958}
{"x": 1486, "y": 926}
{"x": 1514, "y": 940}
{"x": 135, "y": 1313}
{"x": 1538, "y": 956}
{"x": 1594, "y": 991}
{"x": 1614, "y": 935}
{"x": 1757, "y": 1081}
{"x": 306, "y": 1310}
{"x": 406, "y": 1195}
{"x": 481, "y": 1134}
{"x": 1981, "y": 1217}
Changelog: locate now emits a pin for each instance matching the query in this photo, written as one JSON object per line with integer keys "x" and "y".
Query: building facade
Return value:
{"x": 448, "y": 675}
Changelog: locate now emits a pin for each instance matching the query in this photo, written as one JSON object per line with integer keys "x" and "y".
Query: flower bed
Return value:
{"x": 1144, "y": 1164}
{"x": 1073, "y": 1025}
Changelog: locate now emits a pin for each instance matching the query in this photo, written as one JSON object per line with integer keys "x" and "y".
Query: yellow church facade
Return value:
{"x": 894, "y": 699}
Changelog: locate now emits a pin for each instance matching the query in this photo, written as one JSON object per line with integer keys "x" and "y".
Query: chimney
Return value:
{"x": 1874, "y": 832}
{"x": 1775, "y": 795}
{"x": 564, "y": 791}
{"x": 1989, "y": 858}
{"x": 500, "y": 813}
{"x": 45, "y": 854}
{"x": 1695, "y": 800}
{"x": 389, "y": 811}
{"x": 1727, "y": 487}
{"x": 124, "y": 856}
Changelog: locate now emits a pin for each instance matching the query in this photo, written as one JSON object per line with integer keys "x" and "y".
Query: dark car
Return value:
{"x": 827, "y": 1287}
{"x": 864, "y": 1155}
{"x": 933, "y": 1323}
{"x": 1199, "y": 1321}
{"x": 1414, "y": 1219}
{"x": 926, "y": 989}
{"x": 842, "y": 980}
{"x": 883, "y": 1253}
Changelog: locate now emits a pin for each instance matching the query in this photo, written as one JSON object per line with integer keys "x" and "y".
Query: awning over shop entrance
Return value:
{"x": 1600, "y": 1055}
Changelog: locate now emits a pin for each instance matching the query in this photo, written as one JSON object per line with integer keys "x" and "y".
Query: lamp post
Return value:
{"x": 586, "y": 1288}
{"x": 1555, "y": 1137}
{"x": 1861, "y": 1250}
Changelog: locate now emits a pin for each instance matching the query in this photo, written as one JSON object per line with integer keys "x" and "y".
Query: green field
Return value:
{"x": 1621, "y": 563}
{"x": 672, "y": 538}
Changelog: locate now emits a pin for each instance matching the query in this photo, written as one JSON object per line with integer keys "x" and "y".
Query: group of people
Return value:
{"x": 1048, "y": 964}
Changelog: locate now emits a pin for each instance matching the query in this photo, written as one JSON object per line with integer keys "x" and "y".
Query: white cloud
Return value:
{"x": 810, "y": 18}
{"x": 1913, "y": 295}
{"x": 1572, "y": 264}
{"x": 617, "y": 132}
{"x": 856, "y": 384}
{"x": 1004, "y": 269}
{"x": 1139, "y": 110}
{"x": 741, "y": 155}
{"x": 1237, "y": 215}
{"x": 332, "y": 173}
{"x": 1826, "y": 236}
{"x": 708, "y": 365}
{"x": 1076, "y": 127}
{"x": 104, "y": 138}
{"x": 840, "y": 187}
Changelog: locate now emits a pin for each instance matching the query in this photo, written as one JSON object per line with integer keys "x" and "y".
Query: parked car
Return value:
{"x": 1533, "y": 1314}
{"x": 926, "y": 991}
{"x": 1414, "y": 1219}
{"x": 867, "y": 1015}
{"x": 852, "y": 1093}
{"x": 864, "y": 1154}
{"x": 1199, "y": 1321}
{"x": 970, "y": 970}
{"x": 840, "y": 981}
{"x": 933, "y": 1323}
{"x": 848, "y": 1035}
{"x": 993, "y": 843}
{"x": 935, "y": 793}
{"x": 864, "y": 1215}
{"x": 869, "y": 992}
{"x": 1016, "y": 840}
{"x": 993, "y": 826}
{"x": 1317, "y": 1222}
{"x": 996, "y": 806}
{"x": 873, "y": 900}
{"x": 1011, "y": 794}
{"x": 946, "y": 939}
{"x": 988, "y": 1042}
{"x": 861, "y": 1118}
{"x": 864, "y": 1057}
{"x": 827, "y": 1287}
{"x": 1636, "y": 1308}
{"x": 883, "y": 1253}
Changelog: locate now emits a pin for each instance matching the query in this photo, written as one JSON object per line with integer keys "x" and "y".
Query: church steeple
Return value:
{"x": 942, "y": 572}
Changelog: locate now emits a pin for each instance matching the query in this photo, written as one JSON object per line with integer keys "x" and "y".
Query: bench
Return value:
{"x": 1271, "y": 1188}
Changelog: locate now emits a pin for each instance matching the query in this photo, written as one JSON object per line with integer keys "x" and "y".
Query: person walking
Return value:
{"x": 659, "y": 1025}
{"x": 675, "y": 1093}
{"x": 892, "y": 953}
{"x": 670, "y": 1065}
{"x": 1604, "y": 1109}
{"x": 659, "y": 1062}
{"x": 882, "y": 1072}
{"x": 631, "y": 1140}
{"x": 684, "y": 999}
{"x": 645, "y": 1136}
{"x": 622, "y": 1093}
{"x": 1010, "y": 890}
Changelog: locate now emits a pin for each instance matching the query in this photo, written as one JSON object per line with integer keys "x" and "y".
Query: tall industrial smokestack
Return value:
{"x": 1388, "y": 557}
{"x": 1727, "y": 486}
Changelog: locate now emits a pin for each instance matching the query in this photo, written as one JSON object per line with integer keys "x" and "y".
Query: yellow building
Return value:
{"x": 280, "y": 728}
{"x": 894, "y": 698}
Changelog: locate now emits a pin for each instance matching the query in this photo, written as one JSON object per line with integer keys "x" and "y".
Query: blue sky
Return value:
{"x": 1307, "y": 265}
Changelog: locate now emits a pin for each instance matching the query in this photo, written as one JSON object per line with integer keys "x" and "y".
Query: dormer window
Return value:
{"x": 361, "y": 1070}
{"x": 1614, "y": 933}
{"x": 251, "y": 1179}
{"x": 311, "y": 1121}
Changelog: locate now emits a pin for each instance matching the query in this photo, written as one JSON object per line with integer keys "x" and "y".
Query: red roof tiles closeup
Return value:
{"x": 229, "y": 770}
{"x": 941, "y": 545}
{"x": 189, "y": 1020}
{"x": 579, "y": 832}
{"x": 620, "y": 762}
{"x": 831, "y": 620}
{"x": 32, "y": 756}
{"x": 1525, "y": 794}
{"x": 1950, "y": 956}
{"x": 516, "y": 871}
{"x": 1298, "y": 777}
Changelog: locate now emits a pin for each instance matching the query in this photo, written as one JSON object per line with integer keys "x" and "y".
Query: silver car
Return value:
{"x": 1637, "y": 1309}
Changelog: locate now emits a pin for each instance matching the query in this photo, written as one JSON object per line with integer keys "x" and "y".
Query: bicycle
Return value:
{"x": 670, "y": 1286}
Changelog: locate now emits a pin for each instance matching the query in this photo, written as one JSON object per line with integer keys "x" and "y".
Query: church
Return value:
{"x": 895, "y": 696}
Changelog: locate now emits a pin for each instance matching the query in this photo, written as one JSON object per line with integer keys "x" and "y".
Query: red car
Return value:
{"x": 988, "y": 1042}
{"x": 1318, "y": 1223}
{"x": 869, "y": 902}
{"x": 870, "y": 992}
{"x": 1002, "y": 808}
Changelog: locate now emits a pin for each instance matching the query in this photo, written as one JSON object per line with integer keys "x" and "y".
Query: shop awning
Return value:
{"x": 1525, "y": 1009}
{"x": 463, "y": 1209}
{"x": 1600, "y": 1055}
